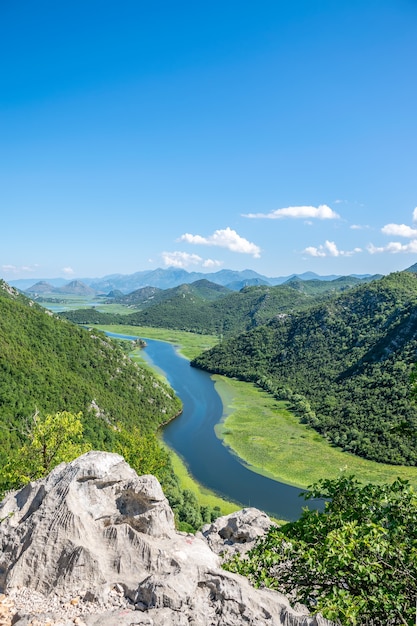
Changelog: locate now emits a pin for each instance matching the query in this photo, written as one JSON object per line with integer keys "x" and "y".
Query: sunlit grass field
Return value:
{"x": 271, "y": 440}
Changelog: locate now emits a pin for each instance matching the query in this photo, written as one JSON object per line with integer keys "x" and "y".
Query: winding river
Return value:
{"x": 192, "y": 436}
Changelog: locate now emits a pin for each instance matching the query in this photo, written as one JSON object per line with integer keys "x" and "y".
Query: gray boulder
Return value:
{"x": 236, "y": 532}
{"x": 95, "y": 544}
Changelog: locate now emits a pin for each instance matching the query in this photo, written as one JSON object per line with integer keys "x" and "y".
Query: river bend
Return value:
{"x": 193, "y": 437}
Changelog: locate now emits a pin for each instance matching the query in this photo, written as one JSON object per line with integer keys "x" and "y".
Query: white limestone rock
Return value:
{"x": 97, "y": 544}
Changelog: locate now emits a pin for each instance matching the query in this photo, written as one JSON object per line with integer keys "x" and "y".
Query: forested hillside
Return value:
{"x": 201, "y": 290}
{"x": 50, "y": 365}
{"x": 209, "y": 311}
{"x": 344, "y": 364}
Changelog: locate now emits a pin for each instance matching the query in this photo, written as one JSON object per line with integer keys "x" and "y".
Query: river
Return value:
{"x": 192, "y": 436}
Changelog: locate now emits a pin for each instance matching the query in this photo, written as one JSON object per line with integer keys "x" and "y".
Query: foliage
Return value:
{"x": 143, "y": 453}
{"x": 196, "y": 309}
{"x": 85, "y": 393}
{"x": 356, "y": 562}
{"x": 50, "y": 440}
{"x": 268, "y": 437}
{"x": 50, "y": 365}
{"x": 343, "y": 365}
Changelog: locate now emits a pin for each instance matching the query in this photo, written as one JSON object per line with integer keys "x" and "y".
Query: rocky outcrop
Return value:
{"x": 94, "y": 544}
{"x": 235, "y": 533}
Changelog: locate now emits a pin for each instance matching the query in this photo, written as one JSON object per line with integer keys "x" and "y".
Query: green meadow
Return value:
{"x": 272, "y": 441}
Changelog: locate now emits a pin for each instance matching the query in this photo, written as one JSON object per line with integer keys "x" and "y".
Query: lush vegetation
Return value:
{"x": 272, "y": 441}
{"x": 48, "y": 441}
{"x": 50, "y": 365}
{"x": 52, "y": 369}
{"x": 207, "y": 308}
{"x": 343, "y": 365}
{"x": 355, "y": 562}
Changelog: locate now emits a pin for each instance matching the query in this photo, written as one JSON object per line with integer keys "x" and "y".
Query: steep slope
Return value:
{"x": 50, "y": 365}
{"x": 344, "y": 364}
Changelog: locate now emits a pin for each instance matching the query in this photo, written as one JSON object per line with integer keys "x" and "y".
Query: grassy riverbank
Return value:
{"x": 189, "y": 344}
{"x": 271, "y": 440}
{"x": 205, "y": 496}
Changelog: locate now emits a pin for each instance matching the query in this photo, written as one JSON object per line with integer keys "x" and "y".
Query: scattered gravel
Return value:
{"x": 53, "y": 610}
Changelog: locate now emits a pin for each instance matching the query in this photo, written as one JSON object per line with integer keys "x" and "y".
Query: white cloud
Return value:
{"x": 399, "y": 230}
{"x": 394, "y": 247}
{"x": 329, "y": 248}
{"x": 9, "y": 268}
{"x": 184, "y": 259}
{"x": 322, "y": 212}
{"x": 68, "y": 271}
{"x": 212, "y": 263}
{"x": 359, "y": 227}
{"x": 181, "y": 259}
{"x": 225, "y": 238}
{"x": 415, "y": 215}
{"x": 13, "y": 269}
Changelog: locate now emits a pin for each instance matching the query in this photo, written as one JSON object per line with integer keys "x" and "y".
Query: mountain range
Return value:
{"x": 164, "y": 279}
{"x": 206, "y": 307}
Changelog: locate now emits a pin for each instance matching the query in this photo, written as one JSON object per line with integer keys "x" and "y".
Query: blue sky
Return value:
{"x": 279, "y": 136}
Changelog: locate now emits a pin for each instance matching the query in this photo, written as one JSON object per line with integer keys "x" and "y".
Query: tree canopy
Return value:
{"x": 355, "y": 562}
{"x": 343, "y": 365}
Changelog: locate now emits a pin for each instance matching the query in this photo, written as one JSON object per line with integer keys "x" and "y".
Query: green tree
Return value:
{"x": 143, "y": 452}
{"x": 50, "y": 440}
{"x": 355, "y": 562}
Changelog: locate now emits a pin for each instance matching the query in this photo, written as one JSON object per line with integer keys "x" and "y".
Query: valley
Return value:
{"x": 321, "y": 386}
{"x": 358, "y": 330}
{"x": 266, "y": 435}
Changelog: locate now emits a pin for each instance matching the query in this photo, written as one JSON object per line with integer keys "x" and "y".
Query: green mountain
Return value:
{"x": 205, "y": 307}
{"x": 50, "y": 365}
{"x": 138, "y": 298}
{"x": 315, "y": 287}
{"x": 344, "y": 364}
{"x": 199, "y": 291}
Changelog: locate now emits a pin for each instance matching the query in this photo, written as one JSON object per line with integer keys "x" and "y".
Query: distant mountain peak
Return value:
{"x": 76, "y": 287}
{"x": 41, "y": 287}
